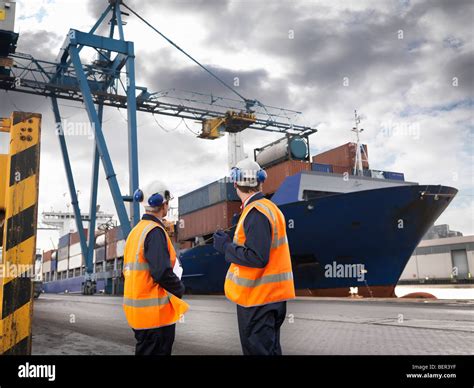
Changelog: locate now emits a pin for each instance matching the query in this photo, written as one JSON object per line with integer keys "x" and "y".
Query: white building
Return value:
{"x": 440, "y": 260}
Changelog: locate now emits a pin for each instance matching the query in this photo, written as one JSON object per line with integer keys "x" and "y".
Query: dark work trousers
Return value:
{"x": 259, "y": 328}
{"x": 155, "y": 342}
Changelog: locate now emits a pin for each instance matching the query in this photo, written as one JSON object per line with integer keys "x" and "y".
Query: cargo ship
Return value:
{"x": 350, "y": 229}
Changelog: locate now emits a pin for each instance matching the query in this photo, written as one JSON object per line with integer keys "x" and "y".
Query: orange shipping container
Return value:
{"x": 207, "y": 221}
{"x": 47, "y": 256}
{"x": 343, "y": 156}
{"x": 277, "y": 174}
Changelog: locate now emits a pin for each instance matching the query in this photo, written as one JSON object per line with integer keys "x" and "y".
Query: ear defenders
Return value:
{"x": 138, "y": 195}
{"x": 154, "y": 200}
{"x": 261, "y": 176}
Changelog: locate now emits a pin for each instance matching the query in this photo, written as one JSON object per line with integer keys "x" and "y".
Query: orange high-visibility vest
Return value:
{"x": 146, "y": 304}
{"x": 274, "y": 283}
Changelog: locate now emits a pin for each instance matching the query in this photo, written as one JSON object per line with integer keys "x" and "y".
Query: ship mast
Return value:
{"x": 235, "y": 147}
{"x": 358, "y": 168}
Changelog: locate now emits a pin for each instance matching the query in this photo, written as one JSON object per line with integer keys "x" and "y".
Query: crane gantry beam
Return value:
{"x": 29, "y": 75}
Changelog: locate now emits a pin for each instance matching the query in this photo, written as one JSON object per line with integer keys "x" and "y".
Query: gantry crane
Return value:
{"x": 109, "y": 81}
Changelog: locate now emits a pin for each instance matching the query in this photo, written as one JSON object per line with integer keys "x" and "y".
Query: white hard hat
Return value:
{"x": 154, "y": 195}
{"x": 248, "y": 173}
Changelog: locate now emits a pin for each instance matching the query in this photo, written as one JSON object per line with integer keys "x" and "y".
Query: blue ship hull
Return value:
{"x": 377, "y": 229}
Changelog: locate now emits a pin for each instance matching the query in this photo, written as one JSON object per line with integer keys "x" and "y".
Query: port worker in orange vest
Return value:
{"x": 260, "y": 277}
{"x": 153, "y": 290}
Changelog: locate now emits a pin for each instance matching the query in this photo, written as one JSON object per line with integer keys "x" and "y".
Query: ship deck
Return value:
{"x": 76, "y": 324}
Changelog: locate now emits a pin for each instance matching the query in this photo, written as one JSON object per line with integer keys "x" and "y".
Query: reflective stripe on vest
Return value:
{"x": 146, "y": 304}
{"x": 136, "y": 267}
{"x": 280, "y": 277}
{"x": 248, "y": 286}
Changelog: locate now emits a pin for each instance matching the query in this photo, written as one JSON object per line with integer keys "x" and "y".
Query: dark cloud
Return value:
{"x": 363, "y": 46}
{"x": 40, "y": 44}
{"x": 462, "y": 68}
{"x": 141, "y": 6}
{"x": 255, "y": 84}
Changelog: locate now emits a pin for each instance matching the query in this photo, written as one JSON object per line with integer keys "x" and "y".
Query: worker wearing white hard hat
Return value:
{"x": 153, "y": 290}
{"x": 260, "y": 277}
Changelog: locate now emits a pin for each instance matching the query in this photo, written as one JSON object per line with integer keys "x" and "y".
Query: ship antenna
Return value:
{"x": 358, "y": 169}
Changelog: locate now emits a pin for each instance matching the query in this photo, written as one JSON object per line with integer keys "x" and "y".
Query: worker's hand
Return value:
{"x": 221, "y": 239}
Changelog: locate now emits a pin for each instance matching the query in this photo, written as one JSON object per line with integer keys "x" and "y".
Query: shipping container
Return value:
{"x": 321, "y": 167}
{"x": 287, "y": 148}
{"x": 75, "y": 249}
{"x": 46, "y": 267}
{"x": 211, "y": 194}
{"x": 396, "y": 176}
{"x": 63, "y": 253}
{"x": 276, "y": 174}
{"x": 63, "y": 241}
{"x": 74, "y": 237}
{"x": 75, "y": 261}
{"x": 111, "y": 250}
{"x": 343, "y": 156}
{"x": 47, "y": 255}
{"x": 342, "y": 170}
{"x": 207, "y": 221}
{"x": 62, "y": 265}
{"x": 114, "y": 234}
{"x": 100, "y": 254}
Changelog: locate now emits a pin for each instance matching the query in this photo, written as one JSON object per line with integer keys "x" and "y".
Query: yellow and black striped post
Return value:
{"x": 19, "y": 182}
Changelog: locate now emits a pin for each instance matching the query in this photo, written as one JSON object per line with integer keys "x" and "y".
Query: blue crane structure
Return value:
{"x": 109, "y": 81}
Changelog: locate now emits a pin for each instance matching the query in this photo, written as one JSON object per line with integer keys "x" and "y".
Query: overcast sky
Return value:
{"x": 406, "y": 66}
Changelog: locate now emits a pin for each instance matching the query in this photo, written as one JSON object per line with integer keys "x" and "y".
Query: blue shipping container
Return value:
{"x": 320, "y": 167}
{"x": 63, "y": 253}
{"x": 206, "y": 196}
{"x": 396, "y": 176}
{"x": 63, "y": 241}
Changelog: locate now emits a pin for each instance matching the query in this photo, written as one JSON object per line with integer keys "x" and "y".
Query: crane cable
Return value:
{"x": 247, "y": 101}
